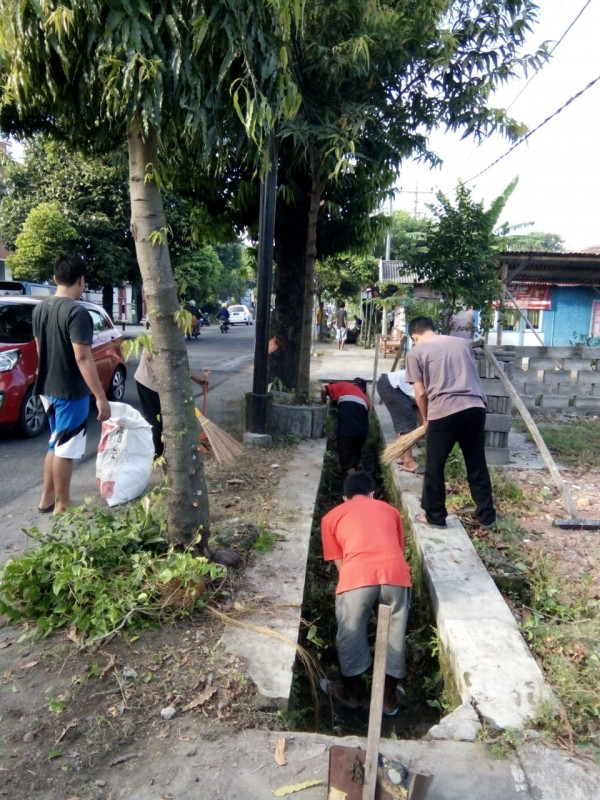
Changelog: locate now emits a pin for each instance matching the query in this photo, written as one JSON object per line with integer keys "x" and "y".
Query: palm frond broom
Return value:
{"x": 224, "y": 446}
{"x": 402, "y": 444}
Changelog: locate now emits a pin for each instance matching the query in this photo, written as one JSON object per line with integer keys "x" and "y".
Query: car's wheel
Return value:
{"x": 32, "y": 419}
{"x": 116, "y": 390}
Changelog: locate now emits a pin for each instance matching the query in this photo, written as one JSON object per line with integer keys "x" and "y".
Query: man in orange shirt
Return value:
{"x": 365, "y": 539}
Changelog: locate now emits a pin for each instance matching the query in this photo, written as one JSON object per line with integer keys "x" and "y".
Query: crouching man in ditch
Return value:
{"x": 364, "y": 537}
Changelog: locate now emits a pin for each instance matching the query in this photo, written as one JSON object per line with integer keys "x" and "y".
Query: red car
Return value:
{"x": 19, "y": 362}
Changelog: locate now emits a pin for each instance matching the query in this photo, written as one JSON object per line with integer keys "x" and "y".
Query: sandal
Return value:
{"x": 329, "y": 688}
{"x": 418, "y": 470}
{"x": 424, "y": 521}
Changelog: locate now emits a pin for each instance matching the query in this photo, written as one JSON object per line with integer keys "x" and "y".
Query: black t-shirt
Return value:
{"x": 58, "y": 322}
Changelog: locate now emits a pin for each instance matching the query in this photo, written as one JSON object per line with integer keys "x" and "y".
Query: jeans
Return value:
{"x": 467, "y": 428}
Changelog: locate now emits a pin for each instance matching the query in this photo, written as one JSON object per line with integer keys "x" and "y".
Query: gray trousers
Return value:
{"x": 353, "y": 610}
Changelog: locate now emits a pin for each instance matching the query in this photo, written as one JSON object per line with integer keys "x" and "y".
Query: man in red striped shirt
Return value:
{"x": 364, "y": 538}
{"x": 352, "y": 403}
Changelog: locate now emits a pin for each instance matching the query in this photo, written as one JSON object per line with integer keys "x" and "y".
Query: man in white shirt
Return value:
{"x": 399, "y": 399}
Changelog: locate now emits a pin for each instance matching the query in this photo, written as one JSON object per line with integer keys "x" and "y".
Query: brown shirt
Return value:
{"x": 446, "y": 366}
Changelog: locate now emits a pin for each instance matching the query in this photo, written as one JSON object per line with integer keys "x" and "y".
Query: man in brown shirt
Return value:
{"x": 452, "y": 403}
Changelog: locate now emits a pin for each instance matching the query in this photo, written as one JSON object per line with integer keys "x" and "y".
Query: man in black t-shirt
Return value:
{"x": 66, "y": 375}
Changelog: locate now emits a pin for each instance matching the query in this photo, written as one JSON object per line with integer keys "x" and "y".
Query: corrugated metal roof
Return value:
{"x": 396, "y": 272}
{"x": 581, "y": 269}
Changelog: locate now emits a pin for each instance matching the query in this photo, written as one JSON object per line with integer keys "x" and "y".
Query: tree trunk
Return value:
{"x": 107, "y": 300}
{"x": 187, "y": 498}
{"x": 316, "y": 192}
{"x": 290, "y": 260}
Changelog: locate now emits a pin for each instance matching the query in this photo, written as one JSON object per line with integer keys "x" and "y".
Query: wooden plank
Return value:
{"x": 376, "y": 710}
{"x": 536, "y": 435}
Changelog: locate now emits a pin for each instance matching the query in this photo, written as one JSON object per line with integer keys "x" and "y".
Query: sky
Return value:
{"x": 559, "y": 165}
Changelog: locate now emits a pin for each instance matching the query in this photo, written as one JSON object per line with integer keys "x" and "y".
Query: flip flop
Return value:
{"x": 46, "y": 510}
{"x": 424, "y": 521}
{"x": 418, "y": 470}
{"x": 327, "y": 688}
{"x": 394, "y": 713}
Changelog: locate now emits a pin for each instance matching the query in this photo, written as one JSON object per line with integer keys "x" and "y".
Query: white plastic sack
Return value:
{"x": 125, "y": 455}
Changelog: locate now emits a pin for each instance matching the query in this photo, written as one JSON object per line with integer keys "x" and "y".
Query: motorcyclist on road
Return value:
{"x": 223, "y": 314}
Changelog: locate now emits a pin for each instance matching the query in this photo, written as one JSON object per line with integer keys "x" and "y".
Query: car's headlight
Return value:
{"x": 9, "y": 359}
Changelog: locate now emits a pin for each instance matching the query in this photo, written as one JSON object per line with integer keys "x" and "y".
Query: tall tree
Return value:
{"x": 376, "y": 78}
{"x": 152, "y": 75}
{"x": 91, "y": 192}
{"x": 44, "y": 235}
{"x": 459, "y": 258}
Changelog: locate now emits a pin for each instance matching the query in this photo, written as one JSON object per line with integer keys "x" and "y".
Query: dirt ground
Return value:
{"x": 72, "y": 720}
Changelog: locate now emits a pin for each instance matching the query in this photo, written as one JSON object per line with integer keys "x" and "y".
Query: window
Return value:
{"x": 533, "y": 317}
{"x": 98, "y": 321}
{"x": 15, "y": 323}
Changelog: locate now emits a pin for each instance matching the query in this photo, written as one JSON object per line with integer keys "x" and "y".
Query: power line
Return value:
{"x": 537, "y": 128}
{"x": 549, "y": 55}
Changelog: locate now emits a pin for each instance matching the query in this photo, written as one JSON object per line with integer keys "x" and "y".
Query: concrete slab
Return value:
{"x": 274, "y": 585}
{"x": 492, "y": 666}
{"x": 461, "y": 771}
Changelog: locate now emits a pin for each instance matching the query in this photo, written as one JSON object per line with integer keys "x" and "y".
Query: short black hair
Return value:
{"x": 419, "y": 325}
{"x": 342, "y": 304}
{"x": 68, "y": 268}
{"x": 361, "y": 383}
{"x": 358, "y": 483}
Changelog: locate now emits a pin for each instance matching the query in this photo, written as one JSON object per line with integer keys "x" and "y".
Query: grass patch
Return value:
{"x": 575, "y": 442}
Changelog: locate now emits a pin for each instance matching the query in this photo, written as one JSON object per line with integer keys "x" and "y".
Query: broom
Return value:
{"x": 225, "y": 448}
{"x": 401, "y": 445}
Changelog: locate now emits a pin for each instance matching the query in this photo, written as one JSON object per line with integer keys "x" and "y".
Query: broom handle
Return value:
{"x": 533, "y": 430}
{"x": 375, "y": 366}
{"x": 376, "y": 711}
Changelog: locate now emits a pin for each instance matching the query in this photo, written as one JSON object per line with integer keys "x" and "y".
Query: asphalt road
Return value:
{"x": 21, "y": 459}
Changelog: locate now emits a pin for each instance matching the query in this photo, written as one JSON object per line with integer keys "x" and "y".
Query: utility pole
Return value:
{"x": 266, "y": 225}
{"x": 388, "y": 238}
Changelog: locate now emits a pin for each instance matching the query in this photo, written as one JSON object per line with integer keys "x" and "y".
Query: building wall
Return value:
{"x": 570, "y": 314}
{"x": 552, "y": 380}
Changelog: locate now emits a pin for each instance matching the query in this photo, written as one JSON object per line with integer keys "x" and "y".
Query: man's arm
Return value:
{"x": 338, "y": 563}
{"x": 421, "y": 400}
{"x": 89, "y": 372}
{"x": 324, "y": 394}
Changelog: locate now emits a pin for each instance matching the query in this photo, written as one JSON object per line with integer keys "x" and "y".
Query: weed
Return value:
{"x": 266, "y": 540}
{"x": 98, "y": 571}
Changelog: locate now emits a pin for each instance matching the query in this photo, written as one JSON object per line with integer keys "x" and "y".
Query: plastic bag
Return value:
{"x": 125, "y": 455}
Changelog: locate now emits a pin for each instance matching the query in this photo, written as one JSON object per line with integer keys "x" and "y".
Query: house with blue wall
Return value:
{"x": 550, "y": 298}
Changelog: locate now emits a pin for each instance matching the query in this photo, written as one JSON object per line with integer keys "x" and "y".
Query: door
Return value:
{"x": 595, "y": 328}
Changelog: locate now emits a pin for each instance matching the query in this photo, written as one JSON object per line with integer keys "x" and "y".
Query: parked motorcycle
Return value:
{"x": 204, "y": 320}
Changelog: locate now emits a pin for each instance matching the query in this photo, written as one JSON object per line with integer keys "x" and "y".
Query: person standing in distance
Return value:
{"x": 451, "y": 400}
{"x": 341, "y": 326}
{"x": 67, "y": 373}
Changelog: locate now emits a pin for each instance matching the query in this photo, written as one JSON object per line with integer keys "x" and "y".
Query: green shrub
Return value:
{"x": 98, "y": 571}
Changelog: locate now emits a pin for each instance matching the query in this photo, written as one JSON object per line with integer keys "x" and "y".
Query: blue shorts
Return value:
{"x": 68, "y": 425}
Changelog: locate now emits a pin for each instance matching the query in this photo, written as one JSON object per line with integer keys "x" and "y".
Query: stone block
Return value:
{"x": 556, "y": 377}
{"x": 588, "y": 405}
{"x": 576, "y": 364}
{"x": 258, "y": 440}
{"x": 497, "y": 422}
{"x": 493, "y": 386}
{"x": 556, "y": 402}
{"x": 497, "y": 456}
{"x": 542, "y": 363}
{"x": 587, "y": 377}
